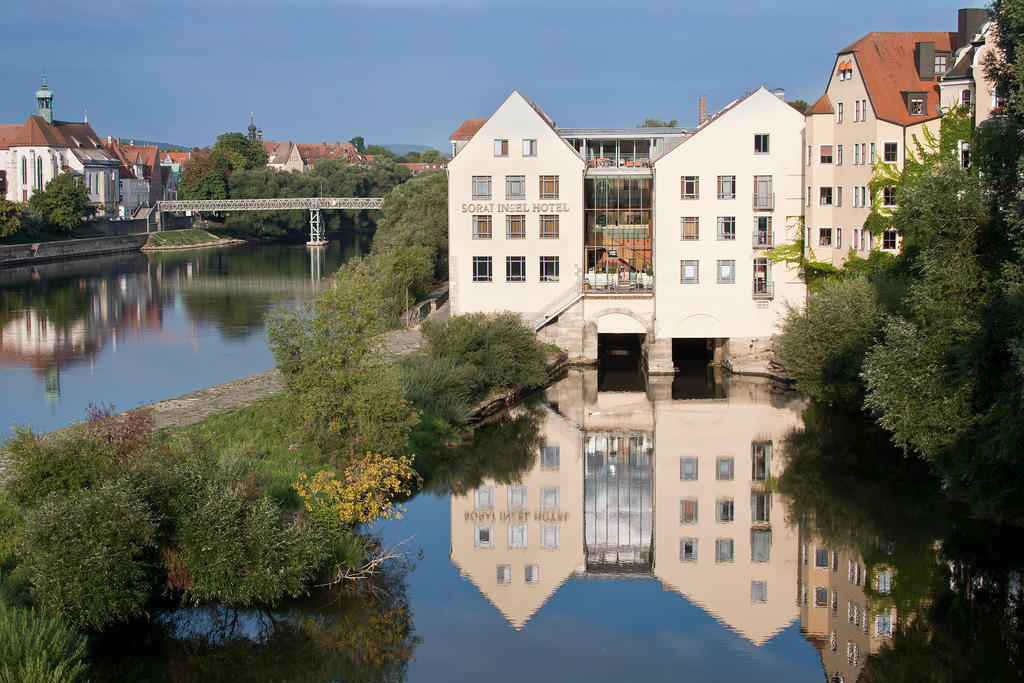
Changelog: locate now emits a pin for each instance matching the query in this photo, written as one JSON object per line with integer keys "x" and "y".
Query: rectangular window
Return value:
{"x": 856, "y": 110}
{"x": 483, "y": 498}
{"x": 839, "y": 113}
{"x": 481, "y": 187}
{"x": 689, "y": 272}
{"x": 549, "y": 457}
{"x": 883, "y": 625}
{"x": 726, "y": 272}
{"x": 825, "y": 156}
{"x": 516, "y": 536}
{"x": 688, "y": 550}
{"x": 726, "y": 228}
{"x": 515, "y": 269}
{"x": 760, "y": 143}
{"x": 834, "y": 603}
{"x": 760, "y": 545}
{"x": 871, "y": 155}
{"x": 821, "y": 557}
{"x": 965, "y": 154}
{"x": 727, "y": 187}
{"x": 839, "y": 195}
{"x": 688, "y": 468}
{"x": 481, "y": 227}
{"x": 531, "y": 573}
{"x": 808, "y": 195}
{"x": 760, "y": 460}
{"x": 889, "y": 195}
{"x": 483, "y": 536}
{"x": 824, "y": 237}
{"x": 504, "y": 573}
{"x": 550, "y": 497}
{"x": 883, "y": 581}
{"x": 838, "y": 241}
{"x": 690, "y": 187}
{"x": 515, "y": 227}
{"x": 724, "y": 550}
{"x": 820, "y": 596}
{"x": 550, "y": 537}
{"x": 839, "y": 155}
{"x": 529, "y": 148}
{"x": 725, "y": 510}
{"x": 481, "y": 269}
{"x": 810, "y": 154}
{"x": 515, "y": 187}
{"x": 856, "y": 154}
{"x": 762, "y": 279}
{"x": 917, "y": 106}
{"x": 825, "y": 196}
{"x": 549, "y": 269}
{"x": 758, "y": 591}
{"x": 690, "y": 228}
{"x": 549, "y": 187}
{"x": 763, "y": 236}
{"x": 760, "y": 506}
{"x": 890, "y": 152}
{"x": 889, "y": 240}
{"x": 549, "y": 227}
{"x": 688, "y": 511}
{"x": 516, "y": 497}
{"x": 724, "y": 468}
{"x": 501, "y": 148}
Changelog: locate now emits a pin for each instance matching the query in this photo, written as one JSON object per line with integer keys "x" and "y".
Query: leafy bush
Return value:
{"x": 90, "y": 554}
{"x": 38, "y": 467}
{"x": 365, "y": 495}
{"x": 38, "y": 647}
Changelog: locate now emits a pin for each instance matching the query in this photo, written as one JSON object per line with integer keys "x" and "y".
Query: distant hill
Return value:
{"x": 400, "y": 150}
{"x": 160, "y": 145}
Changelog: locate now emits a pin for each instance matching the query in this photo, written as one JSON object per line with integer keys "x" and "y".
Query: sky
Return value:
{"x": 410, "y": 71}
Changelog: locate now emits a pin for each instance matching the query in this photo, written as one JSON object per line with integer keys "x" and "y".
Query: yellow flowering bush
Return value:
{"x": 365, "y": 494}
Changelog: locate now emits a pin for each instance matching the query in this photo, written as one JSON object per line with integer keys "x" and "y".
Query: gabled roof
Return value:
{"x": 278, "y": 151}
{"x": 886, "y": 61}
{"x": 8, "y": 133}
{"x": 37, "y": 133}
{"x": 175, "y": 157}
{"x": 822, "y": 106}
{"x": 311, "y": 151}
{"x": 149, "y": 155}
{"x": 80, "y": 135}
{"x": 468, "y": 129}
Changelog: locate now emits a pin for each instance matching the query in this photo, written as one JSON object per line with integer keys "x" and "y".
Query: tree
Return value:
{"x": 364, "y": 495}
{"x": 210, "y": 185}
{"x": 358, "y": 143}
{"x": 658, "y": 123}
{"x": 800, "y": 105}
{"x": 432, "y": 156}
{"x": 236, "y": 151}
{"x": 380, "y": 153}
{"x": 10, "y": 217}
{"x": 62, "y": 204}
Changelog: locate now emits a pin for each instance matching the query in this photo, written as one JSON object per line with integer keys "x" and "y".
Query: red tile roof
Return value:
{"x": 7, "y": 134}
{"x": 886, "y": 61}
{"x": 310, "y": 152}
{"x": 822, "y": 106}
{"x": 468, "y": 129}
{"x": 37, "y": 133}
{"x": 176, "y": 157}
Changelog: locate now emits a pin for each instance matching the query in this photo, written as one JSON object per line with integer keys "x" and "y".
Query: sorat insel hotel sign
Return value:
{"x": 524, "y": 207}
{"x": 516, "y": 516}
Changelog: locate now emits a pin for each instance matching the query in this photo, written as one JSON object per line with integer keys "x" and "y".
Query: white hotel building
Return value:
{"x": 660, "y": 233}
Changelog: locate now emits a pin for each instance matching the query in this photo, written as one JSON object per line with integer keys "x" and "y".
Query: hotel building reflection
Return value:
{"x": 638, "y": 484}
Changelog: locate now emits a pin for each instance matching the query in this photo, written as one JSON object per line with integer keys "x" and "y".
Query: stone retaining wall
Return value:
{"x": 21, "y": 254}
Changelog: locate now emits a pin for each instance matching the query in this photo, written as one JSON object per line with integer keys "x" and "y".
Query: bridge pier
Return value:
{"x": 316, "y": 233}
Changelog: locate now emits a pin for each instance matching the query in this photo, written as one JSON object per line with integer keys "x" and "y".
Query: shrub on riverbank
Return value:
{"x": 36, "y": 646}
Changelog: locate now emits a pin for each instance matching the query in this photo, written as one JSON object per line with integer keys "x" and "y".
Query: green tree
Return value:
{"x": 380, "y": 152}
{"x": 800, "y": 105}
{"x": 10, "y": 217}
{"x": 658, "y": 123}
{"x": 359, "y": 143}
{"x": 62, "y": 204}
{"x": 236, "y": 151}
{"x": 432, "y": 156}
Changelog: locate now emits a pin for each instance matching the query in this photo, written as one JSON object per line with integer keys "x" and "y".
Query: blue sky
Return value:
{"x": 410, "y": 71}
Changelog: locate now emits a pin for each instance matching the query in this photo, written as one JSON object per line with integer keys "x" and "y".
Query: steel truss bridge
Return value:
{"x": 312, "y": 204}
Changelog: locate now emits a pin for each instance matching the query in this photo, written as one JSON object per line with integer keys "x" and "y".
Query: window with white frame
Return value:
{"x": 688, "y": 468}
{"x": 689, "y": 272}
{"x": 855, "y": 237}
{"x": 529, "y": 148}
{"x": 966, "y": 98}
{"x": 501, "y": 148}
{"x": 824, "y": 237}
{"x": 839, "y": 195}
{"x": 825, "y": 154}
{"x": 837, "y": 238}
{"x": 889, "y": 195}
{"x": 965, "y": 154}
{"x": 821, "y": 557}
{"x": 839, "y": 113}
{"x": 890, "y": 152}
{"x": 724, "y": 550}
{"x": 481, "y": 187}
{"x": 871, "y": 155}
{"x": 549, "y": 269}
{"x": 515, "y": 227}
{"x": 760, "y": 460}
{"x": 481, "y": 269}
{"x": 690, "y": 228}
{"x": 856, "y": 110}
{"x": 516, "y": 536}
{"x": 515, "y": 187}
{"x": 760, "y": 545}
{"x": 549, "y": 187}
{"x": 809, "y": 192}
{"x": 810, "y": 154}
{"x": 550, "y": 497}
{"x": 761, "y": 143}
{"x": 516, "y": 497}
{"x": 688, "y": 550}
{"x": 483, "y": 535}
{"x": 839, "y": 155}
{"x": 483, "y": 498}
{"x": 727, "y": 187}
{"x": 825, "y": 196}
{"x": 726, "y": 228}
{"x": 549, "y": 227}
{"x": 515, "y": 269}
{"x": 689, "y": 187}
{"x": 550, "y": 457}
{"x": 481, "y": 227}
{"x": 726, "y": 271}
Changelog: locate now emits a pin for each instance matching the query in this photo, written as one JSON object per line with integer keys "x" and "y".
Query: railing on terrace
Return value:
{"x": 763, "y": 240}
{"x": 619, "y": 161}
{"x": 618, "y": 283}
{"x": 764, "y": 202}
{"x": 763, "y": 289}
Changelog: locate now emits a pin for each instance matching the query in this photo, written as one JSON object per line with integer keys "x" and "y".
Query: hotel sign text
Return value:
{"x": 517, "y": 516}
{"x": 522, "y": 207}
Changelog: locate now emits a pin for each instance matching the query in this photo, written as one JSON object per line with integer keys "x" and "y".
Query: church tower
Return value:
{"x": 252, "y": 127}
{"x": 44, "y": 102}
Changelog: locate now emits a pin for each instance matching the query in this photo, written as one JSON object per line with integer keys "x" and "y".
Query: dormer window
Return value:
{"x": 915, "y": 102}
{"x": 941, "y": 63}
{"x": 845, "y": 70}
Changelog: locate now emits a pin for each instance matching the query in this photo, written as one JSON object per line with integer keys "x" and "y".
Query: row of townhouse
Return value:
{"x": 115, "y": 175}
{"x": 663, "y": 233}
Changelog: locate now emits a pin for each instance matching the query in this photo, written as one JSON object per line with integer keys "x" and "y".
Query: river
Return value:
{"x": 134, "y": 328}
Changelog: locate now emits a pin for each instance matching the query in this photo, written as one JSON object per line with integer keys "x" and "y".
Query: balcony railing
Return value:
{"x": 763, "y": 289}
{"x": 763, "y": 240}
{"x": 622, "y": 161}
{"x": 618, "y": 283}
{"x": 764, "y": 202}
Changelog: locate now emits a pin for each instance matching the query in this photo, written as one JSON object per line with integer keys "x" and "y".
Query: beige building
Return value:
{"x": 657, "y": 234}
{"x": 634, "y": 484}
{"x": 884, "y": 90}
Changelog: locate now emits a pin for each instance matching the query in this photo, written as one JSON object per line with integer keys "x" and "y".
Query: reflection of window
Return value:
{"x": 688, "y": 510}
{"x": 883, "y": 581}
{"x": 549, "y": 498}
{"x": 483, "y": 536}
{"x": 550, "y": 537}
{"x": 821, "y": 558}
{"x": 724, "y": 510}
{"x": 724, "y": 469}
{"x": 504, "y": 573}
{"x": 516, "y": 535}
{"x": 531, "y": 573}
{"x": 515, "y": 187}
{"x": 883, "y": 625}
{"x": 820, "y": 597}
{"x": 688, "y": 550}
{"x": 549, "y": 457}
{"x": 835, "y": 602}
{"x": 516, "y": 497}
{"x": 483, "y": 498}
{"x": 724, "y": 550}
{"x": 687, "y": 468}
{"x": 760, "y": 545}
{"x": 759, "y": 591}
{"x": 833, "y": 641}
{"x": 760, "y": 506}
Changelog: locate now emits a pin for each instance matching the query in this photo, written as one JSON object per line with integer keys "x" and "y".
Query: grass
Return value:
{"x": 33, "y": 237}
{"x": 180, "y": 238}
{"x": 264, "y": 435}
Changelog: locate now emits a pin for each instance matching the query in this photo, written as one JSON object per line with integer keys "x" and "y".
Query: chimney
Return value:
{"x": 780, "y": 93}
{"x": 109, "y": 140}
{"x": 924, "y": 59}
{"x": 702, "y": 110}
{"x": 969, "y": 23}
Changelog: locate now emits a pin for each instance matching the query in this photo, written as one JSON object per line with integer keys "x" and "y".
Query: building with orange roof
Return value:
{"x": 884, "y": 90}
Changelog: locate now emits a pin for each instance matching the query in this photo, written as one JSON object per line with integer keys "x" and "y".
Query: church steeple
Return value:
{"x": 252, "y": 127}
{"x": 44, "y": 102}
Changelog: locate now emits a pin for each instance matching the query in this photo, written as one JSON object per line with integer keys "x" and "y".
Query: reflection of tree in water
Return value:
{"x": 956, "y": 582}
{"x": 57, "y": 303}
{"x": 236, "y": 316}
{"x": 501, "y": 450}
{"x": 358, "y": 633}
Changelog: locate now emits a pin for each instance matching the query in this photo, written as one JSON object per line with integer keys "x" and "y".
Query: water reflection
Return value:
{"x": 70, "y": 316}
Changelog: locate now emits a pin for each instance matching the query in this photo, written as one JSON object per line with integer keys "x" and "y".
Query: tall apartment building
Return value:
{"x": 657, "y": 233}
{"x": 883, "y": 91}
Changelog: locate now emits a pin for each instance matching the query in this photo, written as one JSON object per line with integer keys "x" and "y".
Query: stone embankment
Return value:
{"x": 40, "y": 252}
